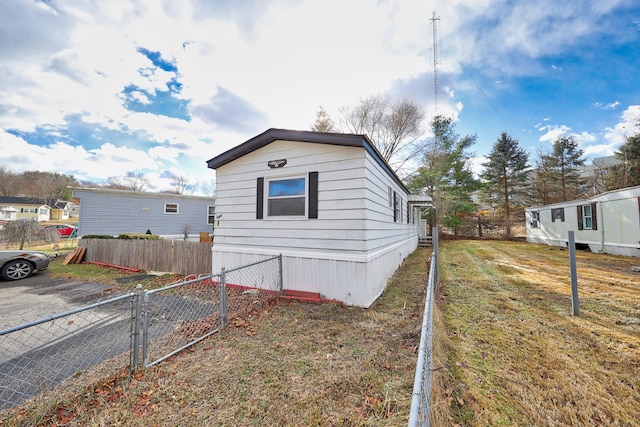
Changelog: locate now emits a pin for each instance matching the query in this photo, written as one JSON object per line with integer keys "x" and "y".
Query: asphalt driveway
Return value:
{"x": 41, "y": 296}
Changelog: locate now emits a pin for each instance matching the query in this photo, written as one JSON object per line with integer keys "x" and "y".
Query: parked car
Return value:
{"x": 16, "y": 265}
{"x": 63, "y": 230}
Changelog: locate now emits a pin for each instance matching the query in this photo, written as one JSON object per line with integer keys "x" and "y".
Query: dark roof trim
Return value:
{"x": 270, "y": 135}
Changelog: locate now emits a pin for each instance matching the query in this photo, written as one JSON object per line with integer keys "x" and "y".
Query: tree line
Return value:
{"x": 48, "y": 186}
{"x": 440, "y": 166}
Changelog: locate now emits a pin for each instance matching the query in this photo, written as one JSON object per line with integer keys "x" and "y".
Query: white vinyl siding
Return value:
{"x": 609, "y": 222}
{"x": 353, "y": 246}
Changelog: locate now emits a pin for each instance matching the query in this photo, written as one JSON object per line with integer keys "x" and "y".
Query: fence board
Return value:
{"x": 174, "y": 256}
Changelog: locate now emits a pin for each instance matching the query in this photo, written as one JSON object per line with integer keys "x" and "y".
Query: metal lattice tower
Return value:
{"x": 434, "y": 24}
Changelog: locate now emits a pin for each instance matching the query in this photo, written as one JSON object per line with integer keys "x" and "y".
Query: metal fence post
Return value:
{"x": 145, "y": 328}
{"x": 435, "y": 263}
{"x": 575, "y": 310}
{"x": 280, "y": 274}
{"x": 136, "y": 329}
{"x": 223, "y": 298}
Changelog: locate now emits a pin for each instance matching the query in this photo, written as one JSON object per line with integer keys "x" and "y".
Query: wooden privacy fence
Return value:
{"x": 174, "y": 256}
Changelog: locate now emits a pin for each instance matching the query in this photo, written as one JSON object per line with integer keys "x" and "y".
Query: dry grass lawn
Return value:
{"x": 513, "y": 355}
{"x": 508, "y": 352}
{"x": 284, "y": 364}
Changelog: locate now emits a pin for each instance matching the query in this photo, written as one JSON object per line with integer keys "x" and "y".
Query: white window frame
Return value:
{"x": 211, "y": 217}
{"x": 586, "y": 218}
{"x": 269, "y": 180}
{"x": 169, "y": 211}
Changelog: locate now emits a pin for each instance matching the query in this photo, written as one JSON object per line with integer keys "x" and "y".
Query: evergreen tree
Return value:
{"x": 568, "y": 158}
{"x": 505, "y": 175}
{"x": 544, "y": 180}
{"x": 629, "y": 154}
{"x": 323, "y": 122}
{"x": 445, "y": 173}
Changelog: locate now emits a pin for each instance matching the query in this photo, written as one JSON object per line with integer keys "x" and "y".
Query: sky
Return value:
{"x": 100, "y": 89}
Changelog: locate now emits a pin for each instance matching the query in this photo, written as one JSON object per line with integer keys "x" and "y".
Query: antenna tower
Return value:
{"x": 434, "y": 24}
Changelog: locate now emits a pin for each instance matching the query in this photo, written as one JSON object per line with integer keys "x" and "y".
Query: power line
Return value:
{"x": 479, "y": 88}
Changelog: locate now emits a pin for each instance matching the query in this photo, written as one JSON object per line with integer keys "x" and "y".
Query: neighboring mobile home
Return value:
{"x": 327, "y": 202}
{"x": 111, "y": 212}
{"x": 30, "y": 208}
{"x": 608, "y": 222}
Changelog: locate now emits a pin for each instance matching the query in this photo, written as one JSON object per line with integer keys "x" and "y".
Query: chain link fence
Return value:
{"x": 179, "y": 315}
{"x": 420, "y": 412}
{"x": 37, "y": 356}
{"x": 182, "y": 314}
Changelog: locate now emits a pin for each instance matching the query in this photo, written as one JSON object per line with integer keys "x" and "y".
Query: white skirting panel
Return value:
{"x": 353, "y": 280}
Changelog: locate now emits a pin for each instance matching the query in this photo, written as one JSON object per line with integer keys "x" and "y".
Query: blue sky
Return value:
{"x": 102, "y": 89}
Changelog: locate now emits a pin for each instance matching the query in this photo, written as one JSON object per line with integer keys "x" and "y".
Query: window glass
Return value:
{"x": 559, "y": 214}
{"x": 286, "y": 187}
{"x": 287, "y": 197}
{"x": 211, "y": 211}
{"x": 586, "y": 211}
{"x": 171, "y": 208}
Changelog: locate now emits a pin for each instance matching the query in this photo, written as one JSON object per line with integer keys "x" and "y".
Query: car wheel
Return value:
{"x": 17, "y": 269}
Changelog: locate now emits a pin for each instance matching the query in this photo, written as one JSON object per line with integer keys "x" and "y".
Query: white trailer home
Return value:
{"x": 327, "y": 202}
{"x": 608, "y": 222}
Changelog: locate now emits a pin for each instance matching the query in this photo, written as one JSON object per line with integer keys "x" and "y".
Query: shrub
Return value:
{"x": 138, "y": 236}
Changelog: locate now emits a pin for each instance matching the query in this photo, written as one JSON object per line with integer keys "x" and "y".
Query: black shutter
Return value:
{"x": 580, "y": 226}
{"x": 408, "y": 213}
{"x": 562, "y": 214}
{"x": 313, "y": 195}
{"x": 260, "y": 198}
{"x": 553, "y": 215}
{"x": 594, "y": 217}
{"x": 395, "y": 207}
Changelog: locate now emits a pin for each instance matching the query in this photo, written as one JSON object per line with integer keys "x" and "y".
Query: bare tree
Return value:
{"x": 186, "y": 231}
{"x": 209, "y": 188}
{"x": 323, "y": 122}
{"x": 606, "y": 175}
{"x": 23, "y": 233}
{"x": 394, "y": 126}
{"x": 131, "y": 181}
{"x": 47, "y": 186}
{"x": 9, "y": 183}
{"x": 544, "y": 179}
{"x": 181, "y": 184}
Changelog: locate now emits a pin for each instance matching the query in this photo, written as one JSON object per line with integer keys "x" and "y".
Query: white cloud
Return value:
{"x": 553, "y": 132}
{"x": 281, "y": 59}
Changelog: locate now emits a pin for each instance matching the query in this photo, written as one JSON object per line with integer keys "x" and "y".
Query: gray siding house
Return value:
{"x": 112, "y": 212}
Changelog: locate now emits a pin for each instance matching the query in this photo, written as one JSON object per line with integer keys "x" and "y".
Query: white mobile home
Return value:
{"x": 608, "y": 222}
{"x": 327, "y": 202}
{"x": 112, "y": 212}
